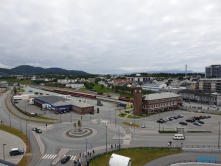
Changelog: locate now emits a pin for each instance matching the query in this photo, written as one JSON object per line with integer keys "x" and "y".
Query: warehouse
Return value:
{"x": 57, "y": 104}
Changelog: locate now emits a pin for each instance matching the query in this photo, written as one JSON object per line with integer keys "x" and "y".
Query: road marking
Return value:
{"x": 53, "y": 156}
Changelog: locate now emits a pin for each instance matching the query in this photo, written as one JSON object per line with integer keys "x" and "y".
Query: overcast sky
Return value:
{"x": 111, "y": 36}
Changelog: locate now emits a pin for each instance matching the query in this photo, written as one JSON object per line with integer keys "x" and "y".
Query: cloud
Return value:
{"x": 111, "y": 36}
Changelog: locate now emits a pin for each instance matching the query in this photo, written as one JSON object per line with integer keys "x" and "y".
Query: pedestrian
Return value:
{"x": 119, "y": 146}
{"x": 80, "y": 154}
{"x": 111, "y": 146}
{"x": 90, "y": 154}
{"x": 115, "y": 145}
{"x": 168, "y": 144}
{"x": 93, "y": 151}
{"x": 83, "y": 154}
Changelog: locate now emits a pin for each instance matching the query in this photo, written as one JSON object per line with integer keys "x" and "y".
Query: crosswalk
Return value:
{"x": 53, "y": 156}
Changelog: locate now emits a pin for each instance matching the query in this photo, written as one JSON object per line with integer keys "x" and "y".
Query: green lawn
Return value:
{"x": 138, "y": 156}
{"x": 98, "y": 88}
{"x": 12, "y": 80}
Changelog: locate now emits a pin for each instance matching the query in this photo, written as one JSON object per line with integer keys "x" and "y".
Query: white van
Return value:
{"x": 178, "y": 137}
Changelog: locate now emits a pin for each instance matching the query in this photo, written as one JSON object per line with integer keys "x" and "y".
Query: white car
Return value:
{"x": 178, "y": 137}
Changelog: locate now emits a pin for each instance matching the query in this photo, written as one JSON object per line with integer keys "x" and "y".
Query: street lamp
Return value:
{"x": 134, "y": 122}
{"x": 9, "y": 114}
{"x": 219, "y": 137}
{"x": 115, "y": 117}
{"x": 86, "y": 152}
{"x": 110, "y": 115}
{"x": 4, "y": 151}
{"x": 159, "y": 120}
{"x": 106, "y": 138}
{"x": 119, "y": 137}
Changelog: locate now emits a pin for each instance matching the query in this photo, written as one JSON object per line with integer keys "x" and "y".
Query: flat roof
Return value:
{"x": 163, "y": 95}
{"x": 51, "y": 99}
{"x": 81, "y": 104}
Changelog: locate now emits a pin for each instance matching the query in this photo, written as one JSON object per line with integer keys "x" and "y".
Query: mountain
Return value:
{"x": 26, "y": 69}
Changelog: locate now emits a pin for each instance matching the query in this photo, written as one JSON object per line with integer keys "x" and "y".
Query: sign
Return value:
{"x": 207, "y": 159}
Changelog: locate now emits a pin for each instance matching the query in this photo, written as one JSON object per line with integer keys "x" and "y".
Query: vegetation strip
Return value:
{"x": 25, "y": 159}
{"x": 139, "y": 155}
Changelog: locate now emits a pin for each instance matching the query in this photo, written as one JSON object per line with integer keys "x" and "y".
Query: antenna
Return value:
{"x": 185, "y": 70}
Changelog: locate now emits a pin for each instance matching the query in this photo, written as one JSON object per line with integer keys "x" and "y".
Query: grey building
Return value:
{"x": 213, "y": 70}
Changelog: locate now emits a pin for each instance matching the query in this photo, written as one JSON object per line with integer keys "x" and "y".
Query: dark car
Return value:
{"x": 170, "y": 119}
{"x": 38, "y": 131}
{"x": 199, "y": 121}
{"x": 61, "y": 112}
{"x": 203, "y": 117}
{"x": 34, "y": 129}
{"x": 160, "y": 121}
{"x": 56, "y": 112}
{"x": 65, "y": 159}
{"x": 183, "y": 123}
{"x": 179, "y": 116}
{"x": 190, "y": 120}
{"x": 16, "y": 151}
{"x": 208, "y": 116}
{"x": 175, "y": 117}
{"x": 196, "y": 123}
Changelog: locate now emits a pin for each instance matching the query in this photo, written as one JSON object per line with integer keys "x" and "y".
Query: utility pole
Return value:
{"x": 219, "y": 137}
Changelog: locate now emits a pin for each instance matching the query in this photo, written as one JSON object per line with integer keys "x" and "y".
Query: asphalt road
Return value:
{"x": 54, "y": 142}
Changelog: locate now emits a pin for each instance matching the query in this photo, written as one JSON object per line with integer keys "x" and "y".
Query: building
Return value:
{"x": 213, "y": 71}
{"x": 209, "y": 84}
{"x": 57, "y": 104}
{"x": 137, "y": 100}
{"x": 160, "y": 101}
{"x": 139, "y": 78}
{"x": 208, "y": 97}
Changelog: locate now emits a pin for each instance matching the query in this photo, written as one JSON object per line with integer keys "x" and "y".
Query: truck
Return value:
{"x": 116, "y": 159}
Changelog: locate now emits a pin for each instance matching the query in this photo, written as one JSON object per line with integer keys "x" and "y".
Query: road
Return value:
{"x": 54, "y": 141}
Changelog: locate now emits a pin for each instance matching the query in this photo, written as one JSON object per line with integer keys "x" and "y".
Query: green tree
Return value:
{"x": 75, "y": 126}
{"x": 102, "y": 86}
{"x": 79, "y": 125}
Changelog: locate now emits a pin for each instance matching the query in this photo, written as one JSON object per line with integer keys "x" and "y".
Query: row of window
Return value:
{"x": 163, "y": 100}
{"x": 160, "y": 105}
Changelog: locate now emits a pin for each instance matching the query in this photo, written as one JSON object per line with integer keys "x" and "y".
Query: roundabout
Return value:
{"x": 79, "y": 134}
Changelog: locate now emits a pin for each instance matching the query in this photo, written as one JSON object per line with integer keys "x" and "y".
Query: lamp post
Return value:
{"x": 20, "y": 125}
{"x": 4, "y": 151}
{"x": 71, "y": 117}
{"x": 159, "y": 121}
{"x": 29, "y": 139}
{"x": 106, "y": 138}
{"x": 119, "y": 136}
{"x": 9, "y": 114}
{"x": 219, "y": 137}
{"x": 60, "y": 117}
{"x": 26, "y": 128}
{"x": 110, "y": 115}
{"x": 86, "y": 151}
{"x": 115, "y": 117}
{"x": 134, "y": 122}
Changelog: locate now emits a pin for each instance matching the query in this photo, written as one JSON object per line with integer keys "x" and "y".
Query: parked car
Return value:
{"x": 197, "y": 123}
{"x": 196, "y": 117}
{"x": 178, "y": 137}
{"x": 160, "y": 121}
{"x": 213, "y": 106}
{"x": 143, "y": 126}
{"x": 34, "y": 129}
{"x": 190, "y": 120}
{"x": 202, "y": 117}
{"x": 170, "y": 119}
{"x": 208, "y": 116}
{"x": 65, "y": 159}
{"x": 61, "y": 112}
{"x": 56, "y": 112}
{"x": 39, "y": 131}
{"x": 201, "y": 122}
{"x": 180, "y": 116}
{"x": 183, "y": 123}
{"x": 175, "y": 117}
{"x": 16, "y": 151}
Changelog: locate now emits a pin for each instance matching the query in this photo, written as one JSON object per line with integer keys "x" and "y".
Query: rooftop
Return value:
{"x": 164, "y": 95}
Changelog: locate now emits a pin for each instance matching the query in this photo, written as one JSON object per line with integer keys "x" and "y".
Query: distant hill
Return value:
{"x": 26, "y": 69}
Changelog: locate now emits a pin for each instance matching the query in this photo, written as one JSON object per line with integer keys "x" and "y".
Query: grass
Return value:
{"x": 12, "y": 80}
{"x": 168, "y": 131}
{"x": 97, "y": 88}
{"x": 138, "y": 156}
{"x": 132, "y": 117}
{"x": 122, "y": 114}
{"x": 18, "y": 133}
{"x": 199, "y": 132}
{"x": 128, "y": 124}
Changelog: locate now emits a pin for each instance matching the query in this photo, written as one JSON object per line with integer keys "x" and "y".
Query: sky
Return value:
{"x": 111, "y": 36}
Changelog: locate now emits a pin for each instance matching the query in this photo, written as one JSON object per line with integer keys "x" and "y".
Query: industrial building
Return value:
{"x": 57, "y": 104}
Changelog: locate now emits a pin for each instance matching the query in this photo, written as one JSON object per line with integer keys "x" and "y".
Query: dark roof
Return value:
{"x": 51, "y": 99}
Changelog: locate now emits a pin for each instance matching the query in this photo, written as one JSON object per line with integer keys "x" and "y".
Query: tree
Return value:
{"x": 15, "y": 90}
{"x": 102, "y": 86}
{"x": 75, "y": 126}
{"x": 79, "y": 125}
